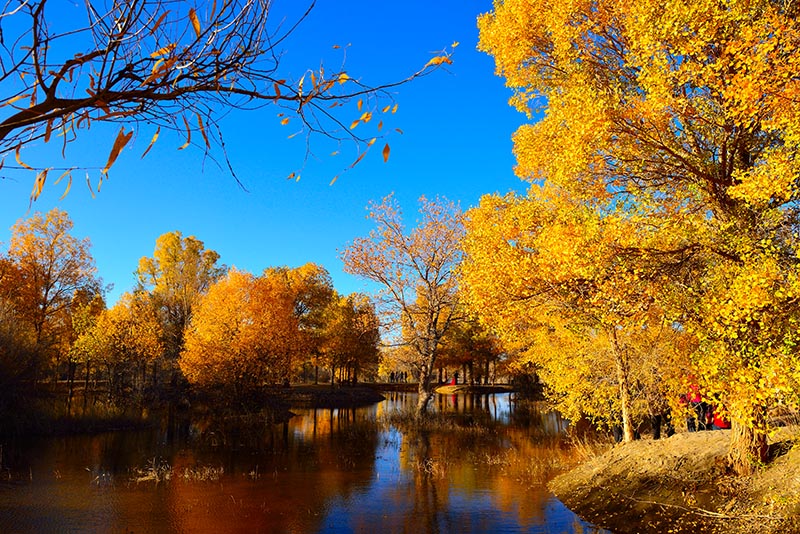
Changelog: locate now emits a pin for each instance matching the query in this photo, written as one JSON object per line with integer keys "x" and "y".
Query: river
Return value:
{"x": 326, "y": 470}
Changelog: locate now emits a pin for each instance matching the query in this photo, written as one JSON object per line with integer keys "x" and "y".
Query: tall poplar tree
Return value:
{"x": 685, "y": 113}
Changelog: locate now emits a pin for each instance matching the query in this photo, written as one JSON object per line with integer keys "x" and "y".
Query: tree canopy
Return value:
{"x": 416, "y": 272}
{"x": 680, "y": 121}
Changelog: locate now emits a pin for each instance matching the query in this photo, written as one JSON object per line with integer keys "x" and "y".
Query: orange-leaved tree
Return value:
{"x": 311, "y": 290}
{"x": 416, "y": 271}
{"x": 243, "y": 335}
{"x": 686, "y": 111}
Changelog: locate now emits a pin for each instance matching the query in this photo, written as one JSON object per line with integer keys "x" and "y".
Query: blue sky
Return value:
{"x": 456, "y": 143}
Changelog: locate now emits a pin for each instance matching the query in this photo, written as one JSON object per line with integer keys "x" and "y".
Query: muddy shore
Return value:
{"x": 681, "y": 484}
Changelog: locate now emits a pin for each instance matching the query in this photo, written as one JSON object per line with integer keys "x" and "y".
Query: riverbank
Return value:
{"x": 474, "y": 389}
{"x": 325, "y": 396}
{"x": 680, "y": 484}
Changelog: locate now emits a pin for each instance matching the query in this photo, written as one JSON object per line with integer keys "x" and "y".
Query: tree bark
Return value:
{"x": 424, "y": 390}
{"x": 623, "y": 380}
{"x": 748, "y": 448}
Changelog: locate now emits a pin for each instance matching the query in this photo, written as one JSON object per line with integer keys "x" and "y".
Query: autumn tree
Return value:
{"x": 547, "y": 270}
{"x": 311, "y": 290}
{"x": 18, "y": 362}
{"x": 416, "y": 270}
{"x": 124, "y": 340}
{"x": 179, "y": 273}
{"x": 84, "y": 310}
{"x": 686, "y": 114}
{"x": 469, "y": 346}
{"x": 149, "y": 65}
{"x": 351, "y": 336}
{"x": 243, "y": 335}
{"x": 51, "y": 266}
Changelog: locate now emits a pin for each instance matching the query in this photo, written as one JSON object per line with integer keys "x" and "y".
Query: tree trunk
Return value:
{"x": 748, "y": 447}
{"x": 86, "y": 386}
{"x": 623, "y": 379}
{"x": 425, "y": 391}
{"x": 72, "y": 368}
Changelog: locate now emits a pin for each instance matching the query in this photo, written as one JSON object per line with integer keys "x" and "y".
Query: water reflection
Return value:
{"x": 323, "y": 471}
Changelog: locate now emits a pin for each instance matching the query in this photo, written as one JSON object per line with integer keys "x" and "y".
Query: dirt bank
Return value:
{"x": 681, "y": 484}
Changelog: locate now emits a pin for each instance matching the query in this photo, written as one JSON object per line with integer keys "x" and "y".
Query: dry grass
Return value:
{"x": 158, "y": 470}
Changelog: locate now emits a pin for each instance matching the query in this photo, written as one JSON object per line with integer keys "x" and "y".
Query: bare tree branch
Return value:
{"x": 173, "y": 64}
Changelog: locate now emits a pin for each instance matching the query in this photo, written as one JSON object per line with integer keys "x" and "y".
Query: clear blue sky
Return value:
{"x": 457, "y": 143}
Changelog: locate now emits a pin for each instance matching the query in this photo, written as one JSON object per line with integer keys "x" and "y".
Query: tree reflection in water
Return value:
{"x": 480, "y": 466}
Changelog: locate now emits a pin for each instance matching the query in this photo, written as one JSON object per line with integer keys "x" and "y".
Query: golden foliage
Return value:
{"x": 678, "y": 123}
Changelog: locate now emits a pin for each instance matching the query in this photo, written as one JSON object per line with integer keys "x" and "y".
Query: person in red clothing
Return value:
{"x": 700, "y": 414}
{"x": 718, "y": 420}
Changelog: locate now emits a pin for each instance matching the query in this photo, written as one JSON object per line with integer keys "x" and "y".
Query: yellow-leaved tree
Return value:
{"x": 351, "y": 337}
{"x": 554, "y": 279}
{"x": 686, "y": 115}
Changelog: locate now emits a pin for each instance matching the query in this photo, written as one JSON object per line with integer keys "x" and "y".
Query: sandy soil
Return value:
{"x": 681, "y": 484}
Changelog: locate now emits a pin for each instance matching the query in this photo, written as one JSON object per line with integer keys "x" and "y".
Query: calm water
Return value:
{"x": 324, "y": 471}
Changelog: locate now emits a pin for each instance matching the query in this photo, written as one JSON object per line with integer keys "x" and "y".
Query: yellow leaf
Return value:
{"x": 334, "y": 180}
{"x": 359, "y": 158}
{"x": 366, "y": 116}
{"x": 119, "y": 143}
{"x": 386, "y": 108}
{"x": 438, "y": 60}
{"x": 360, "y": 104}
{"x": 89, "y": 185}
{"x": 394, "y": 109}
{"x": 63, "y": 174}
{"x": 202, "y": 130}
{"x": 38, "y": 185}
{"x": 69, "y": 185}
{"x": 386, "y": 151}
{"x": 152, "y": 141}
{"x": 158, "y": 22}
{"x": 48, "y": 130}
{"x": 188, "y": 134}
{"x": 455, "y": 44}
{"x": 343, "y": 77}
{"x": 355, "y": 123}
{"x": 195, "y": 21}
{"x": 23, "y": 165}
{"x": 372, "y": 141}
{"x": 163, "y": 51}
{"x": 285, "y": 121}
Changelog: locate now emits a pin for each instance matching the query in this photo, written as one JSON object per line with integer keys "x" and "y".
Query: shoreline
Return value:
{"x": 680, "y": 484}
